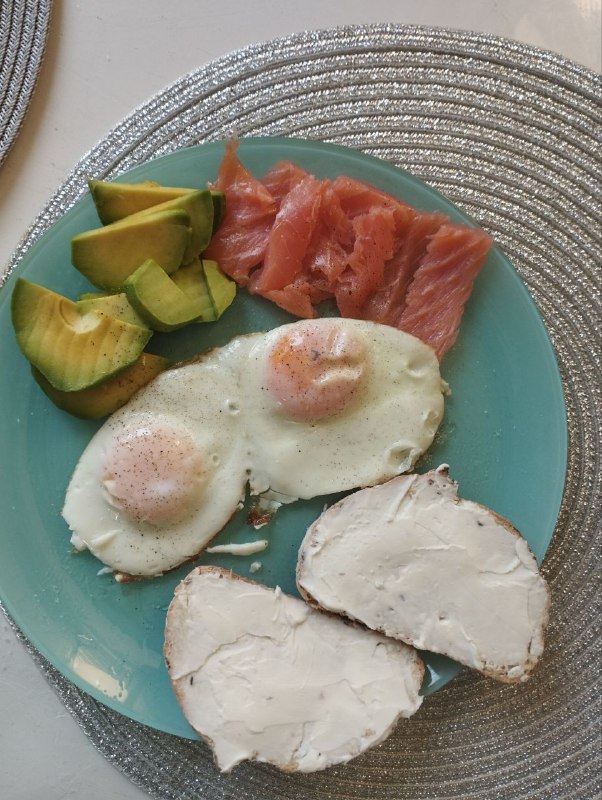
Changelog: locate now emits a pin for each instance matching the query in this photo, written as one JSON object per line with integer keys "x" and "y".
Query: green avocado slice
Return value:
{"x": 199, "y": 207}
{"x": 106, "y": 397}
{"x": 111, "y": 305}
{"x": 72, "y": 350}
{"x": 92, "y": 295}
{"x": 221, "y": 288}
{"x": 159, "y": 300}
{"x": 219, "y": 208}
{"x": 115, "y": 200}
{"x": 191, "y": 280}
{"x": 106, "y": 256}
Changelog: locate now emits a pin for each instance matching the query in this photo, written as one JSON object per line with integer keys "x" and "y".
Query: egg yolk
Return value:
{"x": 314, "y": 371}
{"x": 154, "y": 473}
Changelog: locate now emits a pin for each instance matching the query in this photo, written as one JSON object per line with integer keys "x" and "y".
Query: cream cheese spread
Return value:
{"x": 411, "y": 559}
{"x": 261, "y": 675}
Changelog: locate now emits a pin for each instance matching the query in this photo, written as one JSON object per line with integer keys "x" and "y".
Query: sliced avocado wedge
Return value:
{"x": 219, "y": 208}
{"x": 191, "y": 280}
{"x": 221, "y": 288}
{"x": 199, "y": 207}
{"x": 114, "y": 200}
{"x": 106, "y": 256}
{"x": 92, "y": 295}
{"x": 158, "y": 300}
{"x": 106, "y": 397}
{"x": 73, "y": 351}
{"x": 111, "y": 305}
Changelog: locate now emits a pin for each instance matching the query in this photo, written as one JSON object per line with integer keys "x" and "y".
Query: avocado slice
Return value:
{"x": 72, "y": 350}
{"x": 106, "y": 397}
{"x": 199, "y": 207}
{"x": 115, "y": 200}
{"x": 219, "y": 208}
{"x": 159, "y": 300}
{"x": 92, "y": 295}
{"x": 221, "y": 288}
{"x": 191, "y": 280}
{"x": 106, "y": 256}
{"x": 111, "y": 305}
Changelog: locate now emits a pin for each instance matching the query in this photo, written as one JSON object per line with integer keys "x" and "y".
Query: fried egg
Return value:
{"x": 307, "y": 409}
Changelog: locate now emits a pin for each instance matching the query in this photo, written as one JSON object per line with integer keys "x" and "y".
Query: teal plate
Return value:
{"x": 504, "y": 437}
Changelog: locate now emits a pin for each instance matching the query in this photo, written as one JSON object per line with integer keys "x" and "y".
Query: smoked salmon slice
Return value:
{"x": 296, "y": 299}
{"x": 373, "y": 246}
{"x": 289, "y": 237}
{"x": 281, "y": 178}
{"x": 241, "y": 240}
{"x": 442, "y": 284}
{"x": 357, "y": 198}
{"x": 332, "y": 241}
{"x": 386, "y": 304}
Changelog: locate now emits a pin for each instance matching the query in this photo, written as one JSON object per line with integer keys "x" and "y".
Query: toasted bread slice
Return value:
{"x": 261, "y": 675}
{"x": 412, "y": 560}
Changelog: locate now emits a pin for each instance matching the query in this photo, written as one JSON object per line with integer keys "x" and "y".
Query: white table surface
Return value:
{"x": 103, "y": 58}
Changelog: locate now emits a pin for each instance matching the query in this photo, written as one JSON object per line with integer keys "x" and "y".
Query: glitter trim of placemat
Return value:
{"x": 509, "y": 133}
{"x": 23, "y": 34}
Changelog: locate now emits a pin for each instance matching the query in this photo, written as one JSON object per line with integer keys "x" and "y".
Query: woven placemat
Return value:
{"x": 509, "y": 133}
{"x": 23, "y": 33}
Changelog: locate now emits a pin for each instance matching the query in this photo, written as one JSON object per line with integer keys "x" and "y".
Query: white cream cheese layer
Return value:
{"x": 261, "y": 675}
{"x": 410, "y": 559}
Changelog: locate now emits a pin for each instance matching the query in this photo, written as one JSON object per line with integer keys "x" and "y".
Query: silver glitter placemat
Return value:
{"x": 23, "y": 33}
{"x": 509, "y": 133}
